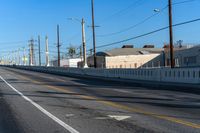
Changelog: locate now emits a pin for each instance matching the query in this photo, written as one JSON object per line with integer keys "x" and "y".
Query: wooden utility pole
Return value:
{"x": 81, "y": 55}
{"x": 58, "y": 45}
{"x": 94, "y": 37}
{"x": 39, "y": 51}
{"x": 171, "y": 34}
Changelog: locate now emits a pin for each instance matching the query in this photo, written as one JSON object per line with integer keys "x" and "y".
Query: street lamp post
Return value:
{"x": 84, "y": 44}
{"x": 47, "y": 51}
{"x": 83, "y": 40}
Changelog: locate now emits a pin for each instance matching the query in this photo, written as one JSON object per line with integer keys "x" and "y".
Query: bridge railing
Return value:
{"x": 177, "y": 75}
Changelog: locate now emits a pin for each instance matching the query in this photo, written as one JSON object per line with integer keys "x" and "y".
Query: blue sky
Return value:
{"x": 22, "y": 19}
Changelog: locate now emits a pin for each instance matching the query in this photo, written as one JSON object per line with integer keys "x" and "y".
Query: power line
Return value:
{"x": 14, "y": 42}
{"x": 182, "y": 2}
{"x": 134, "y": 26}
{"x": 149, "y": 33}
{"x": 143, "y": 21}
{"x": 121, "y": 11}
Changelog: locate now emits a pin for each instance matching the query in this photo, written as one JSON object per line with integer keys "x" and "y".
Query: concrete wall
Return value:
{"x": 66, "y": 62}
{"x": 129, "y": 61}
{"x": 176, "y": 75}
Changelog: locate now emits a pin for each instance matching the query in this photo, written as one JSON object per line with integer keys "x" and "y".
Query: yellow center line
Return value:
{"x": 116, "y": 105}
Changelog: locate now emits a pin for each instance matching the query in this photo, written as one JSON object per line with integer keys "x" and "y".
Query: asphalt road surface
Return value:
{"x": 32, "y": 102}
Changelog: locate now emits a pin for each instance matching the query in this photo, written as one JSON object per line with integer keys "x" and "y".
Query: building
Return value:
{"x": 184, "y": 56}
{"x": 125, "y": 57}
{"x": 66, "y": 62}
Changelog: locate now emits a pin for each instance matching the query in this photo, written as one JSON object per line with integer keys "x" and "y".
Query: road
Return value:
{"x": 32, "y": 102}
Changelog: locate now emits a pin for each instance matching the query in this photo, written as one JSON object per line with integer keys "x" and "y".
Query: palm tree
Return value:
{"x": 71, "y": 51}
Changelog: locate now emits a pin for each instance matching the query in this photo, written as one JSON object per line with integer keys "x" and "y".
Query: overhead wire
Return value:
{"x": 14, "y": 42}
{"x": 149, "y": 33}
{"x": 120, "y": 11}
{"x": 143, "y": 21}
{"x": 182, "y": 2}
{"x": 134, "y": 26}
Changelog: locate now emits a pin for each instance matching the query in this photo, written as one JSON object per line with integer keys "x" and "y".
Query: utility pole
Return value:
{"x": 171, "y": 34}
{"x": 94, "y": 39}
{"x": 16, "y": 57}
{"x": 13, "y": 57}
{"x": 24, "y": 56}
{"x": 84, "y": 44}
{"x": 39, "y": 50}
{"x": 31, "y": 54}
{"x": 58, "y": 45}
{"x": 81, "y": 52}
{"x": 47, "y": 51}
{"x": 19, "y": 57}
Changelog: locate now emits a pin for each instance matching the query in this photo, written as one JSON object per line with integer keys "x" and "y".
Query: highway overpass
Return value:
{"x": 46, "y": 103}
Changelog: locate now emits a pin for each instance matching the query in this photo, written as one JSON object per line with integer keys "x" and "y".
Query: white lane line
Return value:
{"x": 57, "y": 120}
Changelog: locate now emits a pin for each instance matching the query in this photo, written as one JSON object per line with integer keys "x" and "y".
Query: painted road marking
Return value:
{"x": 119, "y": 106}
{"x": 119, "y": 117}
{"x": 101, "y": 118}
{"x": 69, "y": 115}
{"x": 57, "y": 120}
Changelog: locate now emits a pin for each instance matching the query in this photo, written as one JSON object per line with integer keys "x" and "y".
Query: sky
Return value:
{"x": 21, "y": 20}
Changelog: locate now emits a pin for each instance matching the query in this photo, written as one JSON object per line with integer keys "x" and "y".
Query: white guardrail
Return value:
{"x": 176, "y": 75}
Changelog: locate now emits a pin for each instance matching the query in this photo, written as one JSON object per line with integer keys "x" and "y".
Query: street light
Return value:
{"x": 83, "y": 40}
{"x": 156, "y": 10}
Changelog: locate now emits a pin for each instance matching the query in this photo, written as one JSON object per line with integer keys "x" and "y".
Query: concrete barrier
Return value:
{"x": 176, "y": 75}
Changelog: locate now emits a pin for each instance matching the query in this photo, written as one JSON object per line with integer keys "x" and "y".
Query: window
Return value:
{"x": 135, "y": 65}
{"x": 190, "y": 60}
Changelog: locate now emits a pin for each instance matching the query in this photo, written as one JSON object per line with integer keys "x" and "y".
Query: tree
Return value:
{"x": 71, "y": 51}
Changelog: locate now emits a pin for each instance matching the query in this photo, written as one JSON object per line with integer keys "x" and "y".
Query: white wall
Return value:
{"x": 129, "y": 61}
{"x": 69, "y": 62}
{"x": 176, "y": 75}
